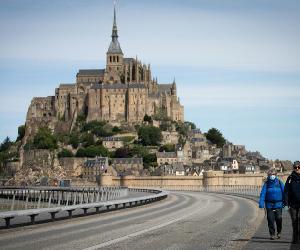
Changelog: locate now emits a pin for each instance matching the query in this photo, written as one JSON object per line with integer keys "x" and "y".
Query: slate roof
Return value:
{"x": 67, "y": 85}
{"x": 197, "y": 140}
{"x": 87, "y": 72}
{"x": 164, "y": 88}
{"x": 128, "y": 60}
{"x": 178, "y": 166}
{"x": 114, "y": 47}
{"x": 99, "y": 161}
{"x": 196, "y": 131}
{"x": 127, "y": 161}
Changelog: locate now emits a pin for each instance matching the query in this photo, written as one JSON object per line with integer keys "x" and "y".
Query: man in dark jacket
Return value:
{"x": 292, "y": 196}
{"x": 272, "y": 197}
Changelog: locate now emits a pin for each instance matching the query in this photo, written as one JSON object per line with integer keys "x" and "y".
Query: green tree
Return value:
{"x": 149, "y": 135}
{"x": 216, "y": 137}
{"x": 149, "y": 160}
{"x": 193, "y": 126}
{"x": 5, "y": 144}
{"x": 92, "y": 125}
{"x": 147, "y": 118}
{"x": 21, "y": 132}
{"x": 74, "y": 139}
{"x": 123, "y": 153}
{"x": 92, "y": 151}
{"x": 167, "y": 148}
{"x": 87, "y": 139}
{"x": 44, "y": 139}
{"x": 65, "y": 153}
{"x": 137, "y": 150}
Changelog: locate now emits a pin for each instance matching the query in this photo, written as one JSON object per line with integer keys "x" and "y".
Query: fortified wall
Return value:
{"x": 209, "y": 179}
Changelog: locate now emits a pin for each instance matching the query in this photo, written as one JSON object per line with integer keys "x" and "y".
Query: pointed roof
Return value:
{"x": 114, "y": 47}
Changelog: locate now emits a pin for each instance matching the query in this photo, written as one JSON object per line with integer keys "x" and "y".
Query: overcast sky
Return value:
{"x": 236, "y": 62}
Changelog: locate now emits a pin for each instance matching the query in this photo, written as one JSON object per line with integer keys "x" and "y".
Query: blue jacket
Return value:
{"x": 272, "y": 194}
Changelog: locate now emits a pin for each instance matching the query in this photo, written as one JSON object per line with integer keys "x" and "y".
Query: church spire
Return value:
{"x": 114, "y": 47}
{"x": 114, "y": 34}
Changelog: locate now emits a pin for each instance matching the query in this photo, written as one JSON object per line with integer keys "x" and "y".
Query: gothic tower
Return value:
{"x": 114, "y": 57}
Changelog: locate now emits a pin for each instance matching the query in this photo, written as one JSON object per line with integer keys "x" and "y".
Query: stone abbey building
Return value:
{"x": 122, "y": 92}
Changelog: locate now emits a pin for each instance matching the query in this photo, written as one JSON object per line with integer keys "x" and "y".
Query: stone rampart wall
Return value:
{"x": 211, "y": 178}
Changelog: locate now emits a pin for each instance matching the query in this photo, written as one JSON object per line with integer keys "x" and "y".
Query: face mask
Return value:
{"x": 272, "y": 177}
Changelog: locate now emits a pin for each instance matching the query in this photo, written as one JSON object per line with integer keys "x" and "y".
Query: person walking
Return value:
{"x": 272, "y": 198}
{"x": 292, "y": 196}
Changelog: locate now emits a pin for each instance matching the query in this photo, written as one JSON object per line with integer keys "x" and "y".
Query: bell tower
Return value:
{"x": 114, "y": 55}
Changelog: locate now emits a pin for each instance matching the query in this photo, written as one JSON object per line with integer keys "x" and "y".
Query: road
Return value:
{"x": 185, "y": 220}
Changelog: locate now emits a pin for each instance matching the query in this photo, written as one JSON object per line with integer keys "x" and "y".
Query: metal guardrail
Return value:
{"x": 22, "y": 198}
{"x": 154, "y": 195}
{"x": 236, "y": 189}
{"x": 242, "y": 190}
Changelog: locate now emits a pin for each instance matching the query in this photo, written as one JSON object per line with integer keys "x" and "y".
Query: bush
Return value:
{"x": 167, "y": 148}
{"x": 65, "y": 153}
{"x": 147, "y": 118}
{"x": 74, "y": 139}
{"x": 116, "y": 130}
{"x": 92, "y": 125}
{"x": 138, "y": 151}
{"x": 123, "y": 153}
{"x": 87, "y": 140}
{"x": 44, "y": 139}
{"x": 149, "y": 135}
{"x": 92, "y": 151}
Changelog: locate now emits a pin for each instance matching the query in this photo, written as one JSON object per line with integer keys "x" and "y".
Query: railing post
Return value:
{"x": 13, "y": 201}
{"x": 49, "y": 201}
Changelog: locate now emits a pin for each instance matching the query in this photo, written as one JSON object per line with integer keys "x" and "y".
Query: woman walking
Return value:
{"x": 272, "y": 198}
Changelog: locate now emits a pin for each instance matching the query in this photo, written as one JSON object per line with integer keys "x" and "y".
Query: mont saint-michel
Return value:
{"x": 118, "y": 120}
{"x": 124, "y": 91}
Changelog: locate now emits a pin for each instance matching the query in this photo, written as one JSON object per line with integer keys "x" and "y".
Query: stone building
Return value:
{"x": 166, "y": 158}
{"x": 92, "y": 169}
{"x": 126, "y": 165}
{"x": 124, "y": 91}
{"x": 112, "y": 143}
{"x": 170, "y": 137}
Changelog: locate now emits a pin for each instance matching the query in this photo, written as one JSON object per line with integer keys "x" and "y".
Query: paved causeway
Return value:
{"x": 185, "y": 220}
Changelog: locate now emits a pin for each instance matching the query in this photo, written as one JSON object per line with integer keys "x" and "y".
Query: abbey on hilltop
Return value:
{"x": 122, "y": 92}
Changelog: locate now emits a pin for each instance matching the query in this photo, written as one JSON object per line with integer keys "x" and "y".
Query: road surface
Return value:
{"x": 185, "y": 220}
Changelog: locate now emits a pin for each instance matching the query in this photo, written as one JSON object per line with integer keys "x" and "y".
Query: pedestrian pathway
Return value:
{"x": 261, "y": 238}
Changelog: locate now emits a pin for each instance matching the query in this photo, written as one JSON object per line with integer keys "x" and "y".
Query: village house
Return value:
{"x": 126, "y": 165}
{"x": 92, "y": 169}
{"x": 112, "y": 143}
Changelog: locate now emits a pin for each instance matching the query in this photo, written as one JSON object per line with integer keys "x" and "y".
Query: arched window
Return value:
{"x": 114, "y": 58}
{"x": 110, "y": 58}
{"x": 117, "y": 59}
